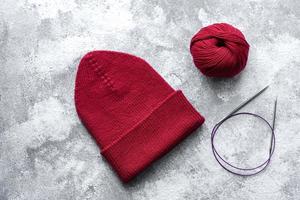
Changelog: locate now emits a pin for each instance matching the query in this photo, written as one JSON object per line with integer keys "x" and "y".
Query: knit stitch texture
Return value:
{"x": 130, "y": 110}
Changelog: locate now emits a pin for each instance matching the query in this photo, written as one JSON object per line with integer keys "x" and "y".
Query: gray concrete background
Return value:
{"x": 45, "y": 152}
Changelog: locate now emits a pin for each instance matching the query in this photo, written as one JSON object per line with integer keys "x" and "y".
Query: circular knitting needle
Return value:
{"x": 245, "y": 171}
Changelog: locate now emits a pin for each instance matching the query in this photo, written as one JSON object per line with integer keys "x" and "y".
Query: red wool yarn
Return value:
{"x": 219, "y": 50}
{"x": 134, "y": 115}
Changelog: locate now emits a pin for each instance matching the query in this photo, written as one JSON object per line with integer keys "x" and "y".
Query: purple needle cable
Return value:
{"x": 238, "y": 170}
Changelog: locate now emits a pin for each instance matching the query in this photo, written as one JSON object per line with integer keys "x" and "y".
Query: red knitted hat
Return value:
{"x": 130, "y": 110}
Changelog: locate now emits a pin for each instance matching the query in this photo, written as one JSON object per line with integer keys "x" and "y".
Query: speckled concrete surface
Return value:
{"x": 45, "y": 152}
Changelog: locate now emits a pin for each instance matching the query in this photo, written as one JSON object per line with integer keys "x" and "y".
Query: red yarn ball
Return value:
{"x": 219, "y": 50}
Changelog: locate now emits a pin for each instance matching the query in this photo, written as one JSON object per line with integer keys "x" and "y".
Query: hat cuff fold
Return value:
{"x": 168, "y": 124}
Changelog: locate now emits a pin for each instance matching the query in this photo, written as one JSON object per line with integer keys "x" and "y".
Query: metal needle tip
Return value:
{"x": 247, "y": 101}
